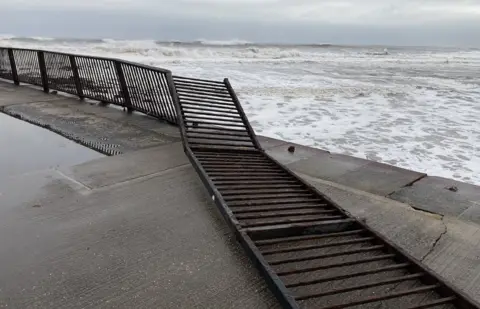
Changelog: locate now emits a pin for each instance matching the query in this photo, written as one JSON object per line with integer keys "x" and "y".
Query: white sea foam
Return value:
{"x": 223, "y": 43}
{"x": 414, "y": 108}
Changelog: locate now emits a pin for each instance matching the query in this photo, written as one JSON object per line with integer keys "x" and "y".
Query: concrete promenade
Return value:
{"x": 137, "y": 229}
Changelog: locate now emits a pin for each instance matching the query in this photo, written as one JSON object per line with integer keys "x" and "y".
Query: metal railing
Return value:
{"x": 133, "y": 86}
{"x": 311, "y": 252}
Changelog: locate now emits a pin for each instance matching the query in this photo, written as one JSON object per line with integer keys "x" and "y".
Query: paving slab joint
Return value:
{"x": 409, "y": 184}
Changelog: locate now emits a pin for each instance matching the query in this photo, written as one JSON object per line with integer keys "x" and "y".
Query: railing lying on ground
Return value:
{"x": 311, "y": 252}
{"x": 131, "y": 85}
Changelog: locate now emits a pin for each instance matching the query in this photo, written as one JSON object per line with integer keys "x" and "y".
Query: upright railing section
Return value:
{"x": 133, "y": 86}
{"x": 310, "y": 251}
{"x": 211, "y": 118}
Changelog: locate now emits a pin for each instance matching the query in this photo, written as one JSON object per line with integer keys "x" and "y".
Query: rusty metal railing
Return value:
{"x": 310, "y": 251}
{"x": 133, "y": 86}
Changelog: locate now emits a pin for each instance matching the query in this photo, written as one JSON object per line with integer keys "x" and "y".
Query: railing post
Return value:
{"x": 178, "y": 108}
{"x": 123, "y": 86}
{"x": 43, "y": 71}
{"x": 76, "y": 76}
{"x": 239, "y": 107}
{"x": 14, "y": 67}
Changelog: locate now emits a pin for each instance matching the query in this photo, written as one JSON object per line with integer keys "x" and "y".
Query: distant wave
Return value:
{"x": 26, "y": 39}
{"x": 199, "y": 42}
{"x": 233, "y": 42}
{"x": 13, "y": 38}
{"x": 235, "y": 50}
{"x": 204, "y": 52}
{"x": 197, "y": 50}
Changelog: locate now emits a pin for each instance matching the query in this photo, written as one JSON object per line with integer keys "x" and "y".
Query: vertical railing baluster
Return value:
{"x": 43, "y": 71}
{"x": 76, "y": 77}
{"x": 164, "y": 83}
{"x": 123, "y": 86}
{"x": 14, "y": 67}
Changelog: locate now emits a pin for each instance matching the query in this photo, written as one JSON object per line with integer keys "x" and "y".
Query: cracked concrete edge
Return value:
{"x": 440, "y": 217}
{"x": 410, "y": 184}
{"x": 421, "y": 210}
{"x": 457, "y": 229}
{"x": 365, "y": 193}
{"x": 409, "y": 204}
{"x": 455, "y": 257}
{"x": 437, "y": 240}
{"x": 452, "y": 246}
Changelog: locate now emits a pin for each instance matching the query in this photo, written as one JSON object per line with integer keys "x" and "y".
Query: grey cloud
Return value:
{"x": 333, "y": 11}
{"x": 406, "y": 22}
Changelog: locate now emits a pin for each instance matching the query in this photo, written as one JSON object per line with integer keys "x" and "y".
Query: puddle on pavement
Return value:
{"x": 26, "y": 148}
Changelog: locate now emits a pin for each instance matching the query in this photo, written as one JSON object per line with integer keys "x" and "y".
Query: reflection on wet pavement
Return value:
{"x": 27, "y": 148}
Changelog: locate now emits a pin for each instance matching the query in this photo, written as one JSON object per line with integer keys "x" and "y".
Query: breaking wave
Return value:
{"x": 202, "y": 49}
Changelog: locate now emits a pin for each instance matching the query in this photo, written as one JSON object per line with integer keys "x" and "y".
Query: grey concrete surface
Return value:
{"x": 104, "y": 129}
{"x": 151, "y": 242}
{"x": 99, "y": 133}
{"x": 143, "y": 163}
{"x": 280, "y": 152}
{"x": 378, "y": 178}
{"x": 373, "y": 177}
{"x": 11, "y": 95}
{"x": 443, "y": 196}
{"x": 113, "y": 113}
{"x": 456, "y": 256}
{"x": 472, "y": 213}
{"x": 268, "y": 142}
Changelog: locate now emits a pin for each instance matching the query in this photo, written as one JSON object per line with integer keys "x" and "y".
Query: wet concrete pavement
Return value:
{"x": 152, "y": 241}
{"x": 137, "y": 230}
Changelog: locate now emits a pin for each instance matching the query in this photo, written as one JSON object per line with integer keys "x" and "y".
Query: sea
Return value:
{"x": 412, "y": 107}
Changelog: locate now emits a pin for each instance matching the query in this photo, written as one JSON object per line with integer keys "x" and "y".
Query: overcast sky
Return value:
{"x": 398, "y": 22}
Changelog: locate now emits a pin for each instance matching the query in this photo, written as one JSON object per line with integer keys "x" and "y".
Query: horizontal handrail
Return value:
{"x": 93, "y": 57}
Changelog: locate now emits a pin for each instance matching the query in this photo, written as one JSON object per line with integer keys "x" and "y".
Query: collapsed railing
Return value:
{"x": 133, "y": 86}
{"x": 311, "y": 252}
